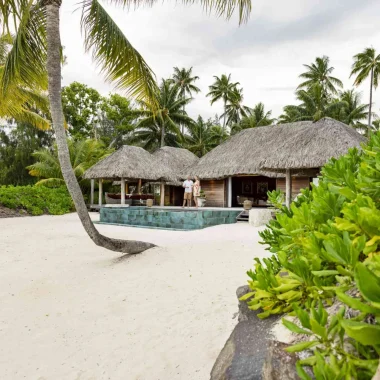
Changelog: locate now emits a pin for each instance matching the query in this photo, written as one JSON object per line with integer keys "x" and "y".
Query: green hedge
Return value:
{"x": 37, "y": 200}
{"x": 326, "y": 248}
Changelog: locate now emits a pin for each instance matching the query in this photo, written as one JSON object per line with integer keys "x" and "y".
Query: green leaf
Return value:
{"x": 356, "y": 304}
{"x": 368, "y": 284}
{"x": 302, "y": 346}
{"x": 293, "y": 327}
{"x": 246, "y": 296}
{"x": 324, "y": 273}
{"x": 366, "y": 334}
{"x": 301, "y": 372}
{"x": 290, "y": 296}
{"x": 370, "y": 365}
{"x": 317, "y": 329}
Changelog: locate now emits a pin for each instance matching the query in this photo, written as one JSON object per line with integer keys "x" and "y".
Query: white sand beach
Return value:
{"x": 71, "y": 310}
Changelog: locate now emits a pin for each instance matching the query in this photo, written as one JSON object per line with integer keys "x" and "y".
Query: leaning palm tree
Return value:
{"x": 166, "y": 118}
{"x": 185, "y": 81}
{"x": 367, "y": 64}
{"x": 38, "y": 49}
{"x": 319, "y": 73}
{"x": 222, "y": 89}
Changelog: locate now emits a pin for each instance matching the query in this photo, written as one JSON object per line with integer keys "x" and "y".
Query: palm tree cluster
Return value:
{"x": 321, "y": 94}
{"x": 169, "y": 124}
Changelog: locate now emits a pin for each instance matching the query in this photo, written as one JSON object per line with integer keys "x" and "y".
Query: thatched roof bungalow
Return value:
{"x": 267, "y": 152}
{"x": 131, "y": 163}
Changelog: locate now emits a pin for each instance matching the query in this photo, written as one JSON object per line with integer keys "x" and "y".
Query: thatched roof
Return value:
{"x": 176, "y": 159}
{"x": 258, "y": 151}
{"x": 311, "y": 146}
{"x": 131, "y": 162}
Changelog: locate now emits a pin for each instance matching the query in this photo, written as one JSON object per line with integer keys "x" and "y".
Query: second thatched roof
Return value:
{"x": 131, "y": 162}
{"x": 263, "y": 150}
{"x": 177, "y": 160}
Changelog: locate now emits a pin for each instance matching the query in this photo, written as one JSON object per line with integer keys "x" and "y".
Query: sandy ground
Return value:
{"x": 70, "y": 310}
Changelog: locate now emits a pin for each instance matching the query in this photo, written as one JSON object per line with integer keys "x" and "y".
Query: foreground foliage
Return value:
{"x": 326, "y": 250}
{"x": 37, "y": 200}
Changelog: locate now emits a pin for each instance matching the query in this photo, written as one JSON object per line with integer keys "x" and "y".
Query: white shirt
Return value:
{"x": 188, "y": 185}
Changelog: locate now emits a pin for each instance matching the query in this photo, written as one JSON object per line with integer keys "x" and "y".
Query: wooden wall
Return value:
{"x": 215, "y": 192}
{"x": 298, "y": 183}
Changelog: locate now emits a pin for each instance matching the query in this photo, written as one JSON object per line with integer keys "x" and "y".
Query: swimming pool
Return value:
{"x": 168, "y": 218}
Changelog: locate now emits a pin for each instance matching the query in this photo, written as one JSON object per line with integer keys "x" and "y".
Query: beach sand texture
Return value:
{"x": 72, "y": 310}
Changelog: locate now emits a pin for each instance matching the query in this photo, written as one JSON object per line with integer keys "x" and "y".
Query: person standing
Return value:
{"x": 196, "y": 190}
{"x": 188, "y": 186}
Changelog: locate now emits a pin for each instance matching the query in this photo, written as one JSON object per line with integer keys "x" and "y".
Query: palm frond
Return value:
{"x": 115, "y": 55}
{"x": 225, "y": 8}
{"x": 26, "y": 61}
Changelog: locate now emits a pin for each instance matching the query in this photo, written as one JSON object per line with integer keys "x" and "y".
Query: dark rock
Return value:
{"x": 244, "y": 353}
{"x": 279, "y": 364}
{"x": 244, "y": 312}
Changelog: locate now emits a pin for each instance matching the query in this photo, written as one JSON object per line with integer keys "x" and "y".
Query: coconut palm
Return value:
{"x": 314, "y": 105}
{"x": 367, "y": 64}
{"x": 319, "y": 73}
{"x": 83, "y": 155}
{"x": 255, "y": 117}
{"x": 202, "y": 136}
{"x": 223, "y": 89}
{"x": 157, "y": 127}
{"x": 352, "y": 111}
{"x": 21, "y": 103}
{"x": 185, "y": 81}
{"x": 291, "y": 114}
{"x": 235, "y": 110}
{"x": 38, "y": 49}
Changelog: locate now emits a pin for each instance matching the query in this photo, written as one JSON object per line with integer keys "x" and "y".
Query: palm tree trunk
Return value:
{"x": 183, "y": 126}
{"x": 370, "y": 103}
{"x": 224, "y": 118}
{"x": 163, "y": 135}
{"x": 54, "y": 80}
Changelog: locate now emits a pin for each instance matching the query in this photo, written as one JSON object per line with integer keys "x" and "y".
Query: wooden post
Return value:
{"x": 229, "y": 192}
{"x": 288, "y": 188}
{"x": 100, "y": 192}
{"x": 126, "y": 188}
{"x": 162, "y": 194}
{"x": 122, "y": 185}
{"x": 92, "y": 191}
{"x": 139, "y": 187}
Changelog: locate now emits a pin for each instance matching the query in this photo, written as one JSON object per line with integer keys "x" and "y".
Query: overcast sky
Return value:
{"x": 265, "y": 55}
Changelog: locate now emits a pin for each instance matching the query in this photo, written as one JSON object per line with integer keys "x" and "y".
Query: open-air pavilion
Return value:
{"x": 128, "y": 164}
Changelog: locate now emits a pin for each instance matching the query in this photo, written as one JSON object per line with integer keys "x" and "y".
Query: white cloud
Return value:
{"x": 265, "y": 55}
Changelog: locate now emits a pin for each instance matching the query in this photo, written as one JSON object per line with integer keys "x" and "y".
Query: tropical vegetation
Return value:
{"x": 37, "y": 200}
{"x": 325, "y": 268}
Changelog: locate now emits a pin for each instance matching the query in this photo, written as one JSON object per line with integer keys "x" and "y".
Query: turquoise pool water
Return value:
{"x": 176, "y": 219}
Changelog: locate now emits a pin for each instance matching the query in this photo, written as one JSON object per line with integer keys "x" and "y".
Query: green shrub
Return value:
{"x": 326, "y": 247}
{"x": 37, "y": 200}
